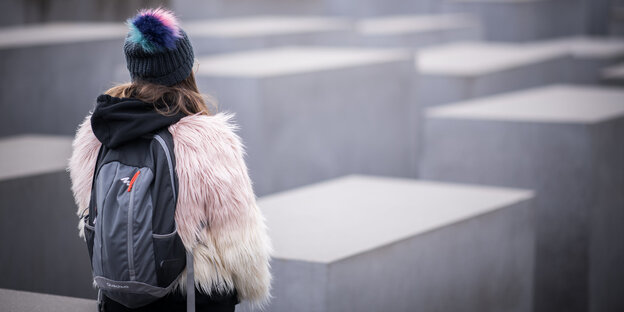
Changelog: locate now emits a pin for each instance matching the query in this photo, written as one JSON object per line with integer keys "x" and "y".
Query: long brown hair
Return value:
{"x": 182, "y": 97}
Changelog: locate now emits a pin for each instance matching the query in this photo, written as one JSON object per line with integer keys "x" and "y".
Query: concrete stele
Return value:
{"x": 522, "y": 20}
{"x": 551, "y": 104}
{"x": 469, "y": 59}
{"x": 42, "y": 63}
{"x": 586, "y": 47}
{"x": 332, "y": 220}
{"x": 615, "y": 72}
{"x": 245, "y": 27}
{"x": 292, "y": 60}
{"x": 23, "y": 301}
{"x": 420, "y": 242}
{"x": 35, "y": 193}
{"x": 261, "y": 86}
{"x": 29, "y": 155}
{"x": 497, "y": 1}
{"x": 564, "y": 142}
{"x": 59, "y": 33}
{"x": 408, "y": 24}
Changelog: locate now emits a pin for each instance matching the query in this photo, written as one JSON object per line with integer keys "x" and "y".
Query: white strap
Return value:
{"x": 190, "y": 283}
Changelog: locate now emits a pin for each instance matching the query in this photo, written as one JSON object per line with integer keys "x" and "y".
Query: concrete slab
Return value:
{"x": 613, "y": 74}
{"x": 257, "y": 32}
{"x": 553, "y": 104}
{"x": 564, "y": 142}
{"x": 371, "y": 8}
{"x": 365, "y": 243}
{"x": 18, "y": 12}
{"x": 590, "y": 55}
{"x": 523, "y": 20}
{"x": 28, "y": 155}
{"x": 58, "y": 33}
{"x": 52, "y": 74}
{"x": 38, "y": 221}
{"x": 308, "y": 114}
{"x": 460, "y": 71}
{"x": 588, "y": 47}
{"x": 417, "y": 31}
{"x": 22, "y": 301}
{"x": 200, "y": 9}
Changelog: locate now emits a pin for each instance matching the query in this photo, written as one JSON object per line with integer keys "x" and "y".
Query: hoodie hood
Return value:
{"x": 117, "y": 121}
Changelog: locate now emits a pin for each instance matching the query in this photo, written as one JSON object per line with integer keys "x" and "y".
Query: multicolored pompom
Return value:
{"x": 154, "y": 29}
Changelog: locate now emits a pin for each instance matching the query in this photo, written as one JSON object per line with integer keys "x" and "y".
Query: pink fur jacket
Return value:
{"x": 214, "y": 185}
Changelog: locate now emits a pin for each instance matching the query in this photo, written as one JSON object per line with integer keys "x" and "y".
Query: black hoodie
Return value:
{"x": 116, "y": 121}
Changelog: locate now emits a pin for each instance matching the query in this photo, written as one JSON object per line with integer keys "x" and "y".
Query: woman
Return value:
{"x": 216, "y": 214}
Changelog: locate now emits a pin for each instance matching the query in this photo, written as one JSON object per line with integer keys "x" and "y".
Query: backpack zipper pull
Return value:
{"x": 132, "y": 180}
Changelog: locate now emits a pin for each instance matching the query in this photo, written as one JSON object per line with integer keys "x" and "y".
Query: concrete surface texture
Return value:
{"x": 521, "y": 20}
{"x": 22, "y": 156}
{"x": 560, "y": 141}
{"x": 613, "y": 74}
{"x": 417, "y": 30}
{"x": 255, "y": 32}
{"x": 471, "y": 69}
{"x": 590, "y": 55}
{"x": 349, "y": 208}
{"x": 551, "y": 104}
{"x": 586, "y": 47}
{"x": 19, "y": 12}
{"x": 292, "y": 60}
{"x": 38, "y": 223}
{"x": 365, "y": 243}
{"x": 56, "y": 73}
{"x": 22, "y": 301}
{"x": 58, "y": 33}
{"x": 369, "y": 8}
{"x": 198, "y": 9}
{"x": 289, "y": 101}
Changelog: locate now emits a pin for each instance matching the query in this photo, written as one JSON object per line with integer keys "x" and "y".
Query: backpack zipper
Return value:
{"x": 131, "y": 228}
{"x": 136, "y": 175}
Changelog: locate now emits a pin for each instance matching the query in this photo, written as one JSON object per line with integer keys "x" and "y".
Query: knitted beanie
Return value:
{"x": 157, "y": 50}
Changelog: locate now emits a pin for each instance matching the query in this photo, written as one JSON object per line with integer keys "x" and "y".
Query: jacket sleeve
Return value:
{"x": 217, "y": 205}
{"x": 81, "y": 167}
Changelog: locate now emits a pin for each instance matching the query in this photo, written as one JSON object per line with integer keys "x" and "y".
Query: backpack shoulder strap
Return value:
{"x": 165, "y": 138}
{"x": 190, "y": 283}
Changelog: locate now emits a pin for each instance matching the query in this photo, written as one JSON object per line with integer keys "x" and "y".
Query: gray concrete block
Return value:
{"x": 590, "y": 55}
{"x": 200, "y": 9}
{"x": 38, "y": 235}
{"x": 565, "y": 143}
{"x": 257, "y": 32}
{"x": 362, "y": 8}
{"x": 460, "y": 71}
{"x": 417, "y": 31}
{"x": 364, "y": 243}
{"x": 21, "y": 301}
{"x": 613, "y": 75}
{"x": 53, "y": 73}
{"x": 308, "y": 114}
{"x": 19, "y": 12}
{"x": 521, "y": 20}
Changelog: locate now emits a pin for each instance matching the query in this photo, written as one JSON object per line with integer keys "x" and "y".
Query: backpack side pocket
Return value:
{"x": 170, "y": 257}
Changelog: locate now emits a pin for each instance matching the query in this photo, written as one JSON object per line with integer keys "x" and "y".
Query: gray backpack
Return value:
{"x": 136, "y": 253}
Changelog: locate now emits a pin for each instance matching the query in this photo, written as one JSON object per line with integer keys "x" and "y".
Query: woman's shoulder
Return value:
{"x": 212, "y": 132}
{"x": 206, "y": 125}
